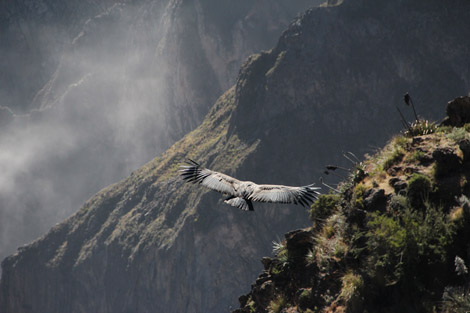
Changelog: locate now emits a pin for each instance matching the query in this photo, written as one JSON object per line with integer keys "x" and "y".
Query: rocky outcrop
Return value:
{"x": 458, "y": 112}
{"x": 150, "y": 243}
{"x": 380, "y": 249}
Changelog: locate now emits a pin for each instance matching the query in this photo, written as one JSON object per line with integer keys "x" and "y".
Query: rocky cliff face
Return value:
{"x": 37, "y": 37}
{"x": 394, "y": 237}
{"x": 34, "y": 35}
{"x": 330, "y": 85}
{"x": 108, "y": 85}
{"x": 150, "y": 242}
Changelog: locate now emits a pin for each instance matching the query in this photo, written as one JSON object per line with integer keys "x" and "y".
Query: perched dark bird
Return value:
{"x": 409, "y": 101}
{"x": 407, "y": 98}
{"x": 242, "y": 193}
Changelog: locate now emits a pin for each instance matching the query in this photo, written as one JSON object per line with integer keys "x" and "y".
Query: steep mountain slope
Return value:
{"x": 34, "y": 35}
{"x": 108, "y": 85}
{"x": 394, "y": 238}
{"x": 37, "y": 38}
{"x": 155, "y": 233}
{"x": 150, "y": 242}
{"x": 338, "y": 73}
{"x": 134, "y": 246}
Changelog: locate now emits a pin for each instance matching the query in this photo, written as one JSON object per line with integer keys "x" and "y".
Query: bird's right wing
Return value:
{"x": 211, "y": 179}
{"x": 285, "y": 194}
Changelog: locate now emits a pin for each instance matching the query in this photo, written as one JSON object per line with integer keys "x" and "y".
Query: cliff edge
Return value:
{"x": 394, "y": 236}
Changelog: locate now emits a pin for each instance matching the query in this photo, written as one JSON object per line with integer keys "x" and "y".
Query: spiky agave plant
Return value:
{"x": 278, "y": 246}
{"x": 282, "y": 254}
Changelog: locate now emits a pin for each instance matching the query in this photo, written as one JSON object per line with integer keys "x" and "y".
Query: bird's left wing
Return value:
{"x": 285, "y": 194}
{"x": 211, "y": 179}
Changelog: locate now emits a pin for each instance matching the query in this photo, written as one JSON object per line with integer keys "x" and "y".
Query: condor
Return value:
{"x": 242, "y": 193}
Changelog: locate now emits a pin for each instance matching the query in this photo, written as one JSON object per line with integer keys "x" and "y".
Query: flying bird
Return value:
{"x": 242, "y": 193}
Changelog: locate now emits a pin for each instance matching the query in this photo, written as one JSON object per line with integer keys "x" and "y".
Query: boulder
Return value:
{"x": 458, "y": 112}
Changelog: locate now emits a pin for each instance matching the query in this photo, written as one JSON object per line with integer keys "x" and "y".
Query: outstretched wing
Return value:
{"x": 285, "y": 194}
{"x": 214, "y": 180}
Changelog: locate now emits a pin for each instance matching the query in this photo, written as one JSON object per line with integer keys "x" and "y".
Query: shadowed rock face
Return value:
{"x": 34, "y": 34}
{"x": 458, "y": 112}
{"x": 150, "y": 243}
{"x": 37, "y": 37}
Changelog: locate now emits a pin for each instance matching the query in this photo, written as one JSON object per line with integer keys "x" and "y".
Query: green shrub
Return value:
{"x": 429, "y": 234}
{"x": 393, "y": 158}
{"x": 341, "y": 249}
{"x": 417, "y": 156}
{"x": 304, "y": 297}
{"x": 251, "y": 306}
{"x": 398, "y": 203}
{"x": 351, "y": 286}
{"x": 444, "y": 129}
{"x": 386, "y": 240}
{"x": 419, "y": 187}
{"x": 325, "y": 206}
{"x": 458, "y": 134}
{"x": 328, "y": 231}
{"x": 275, "y": 306}
{"x": 456, "y": 300}
{"x": 358, "y": 196}
{"x": 398, "y": 245}
{"x": 400, "y": 141}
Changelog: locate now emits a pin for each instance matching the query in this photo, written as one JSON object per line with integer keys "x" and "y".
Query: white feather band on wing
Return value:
{"x": 284, "y": 194}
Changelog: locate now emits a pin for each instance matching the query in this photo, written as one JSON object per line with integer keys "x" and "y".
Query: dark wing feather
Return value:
{"x": 214, "y": 180}
{"x": 285, "y": 194}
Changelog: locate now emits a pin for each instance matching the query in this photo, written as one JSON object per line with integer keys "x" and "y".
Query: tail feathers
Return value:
{"x": 240, "y": 203}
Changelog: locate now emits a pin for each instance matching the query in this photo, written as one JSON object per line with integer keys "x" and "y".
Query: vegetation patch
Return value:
{"x": 458, "y": 134}
{"x": 394, "y": 157}
{"x": 282, "y": 259}
{"x": 456, "y": 300}
{"x": 416, "y": 156}
{"x": 392, "y": 154}
{"x": 421, "y": 127}
{"x": 358, "y": 196}
{"x": 352, "y": 286}
{"x": 419, "y": 187}
{"x": 322, "y": 208}
{"x": 275, "y": 306}
{"x": 396, "y": 257}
